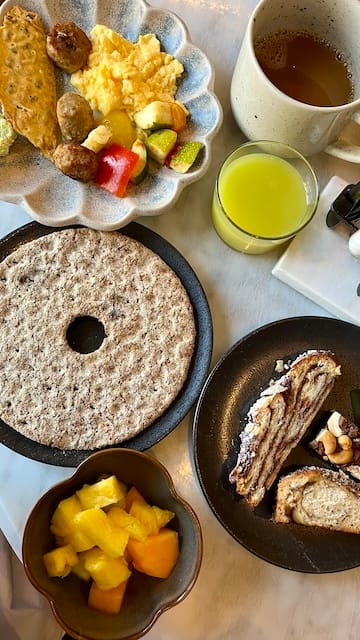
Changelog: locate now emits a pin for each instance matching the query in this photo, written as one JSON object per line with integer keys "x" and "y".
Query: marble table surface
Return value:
{"x": 236, "y": 594}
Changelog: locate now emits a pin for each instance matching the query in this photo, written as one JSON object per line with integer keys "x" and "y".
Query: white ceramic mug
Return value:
{"x": 262, "y": 111}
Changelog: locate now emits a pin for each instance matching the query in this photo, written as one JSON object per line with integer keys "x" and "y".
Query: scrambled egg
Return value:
{"x": 7, "y": 136}
{"x": 123, "y": 75}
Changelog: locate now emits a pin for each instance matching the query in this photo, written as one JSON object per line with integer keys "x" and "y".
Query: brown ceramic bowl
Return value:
{"x": 146, "y": 597}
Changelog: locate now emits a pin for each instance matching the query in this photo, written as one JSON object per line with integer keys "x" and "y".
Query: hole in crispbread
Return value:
{"x": 85, "y": 334}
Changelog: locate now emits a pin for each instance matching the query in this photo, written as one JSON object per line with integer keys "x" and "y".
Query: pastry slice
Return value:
{"x": 27, "y": 79}
{"x": 317, "y": 497}
{"x": 278, "y": 420}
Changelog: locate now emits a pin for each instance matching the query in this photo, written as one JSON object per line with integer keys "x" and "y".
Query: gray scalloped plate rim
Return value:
{"x": 53, "y": 199}
{"x": 198, "y": 371}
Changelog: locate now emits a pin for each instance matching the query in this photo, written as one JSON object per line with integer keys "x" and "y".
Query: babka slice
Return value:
{"x": 278, "y": 420}
{"x": 317, "y": 497}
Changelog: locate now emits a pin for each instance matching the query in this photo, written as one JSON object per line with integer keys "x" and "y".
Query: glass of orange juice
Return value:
{"x": 264, "y": 194}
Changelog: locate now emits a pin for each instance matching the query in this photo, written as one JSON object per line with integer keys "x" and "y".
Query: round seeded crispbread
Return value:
{"x": 59, "y": 397}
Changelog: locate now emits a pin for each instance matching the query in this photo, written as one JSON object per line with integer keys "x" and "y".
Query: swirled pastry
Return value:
{"x": 278, "y": 420}
{"x": 317, "y": 497}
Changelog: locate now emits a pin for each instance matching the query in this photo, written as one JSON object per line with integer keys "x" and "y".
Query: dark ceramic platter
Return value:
{"x": 230, "y": 389}
{"x": 198, "y": 369}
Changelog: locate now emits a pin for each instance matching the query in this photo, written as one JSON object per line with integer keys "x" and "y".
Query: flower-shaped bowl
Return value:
{"x": 146, "y": 597}
{"x": 53, "y": 199}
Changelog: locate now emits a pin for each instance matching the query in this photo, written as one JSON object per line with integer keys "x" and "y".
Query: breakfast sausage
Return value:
{"x": 68, "y": 46}
{"x": 76, "y": 161}
{"x": 75, "y": 117}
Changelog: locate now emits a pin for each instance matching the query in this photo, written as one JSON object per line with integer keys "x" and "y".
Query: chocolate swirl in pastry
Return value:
{"x": 279, "y": 419}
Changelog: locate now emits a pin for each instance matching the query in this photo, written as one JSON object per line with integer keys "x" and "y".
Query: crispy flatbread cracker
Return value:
{"x": 27, "y": 79}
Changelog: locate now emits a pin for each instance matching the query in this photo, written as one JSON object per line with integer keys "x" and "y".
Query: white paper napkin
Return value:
{"x": 318, "y": 263}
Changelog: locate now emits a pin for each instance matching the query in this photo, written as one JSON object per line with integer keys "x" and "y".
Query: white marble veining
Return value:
{"x": 236, "y": 595}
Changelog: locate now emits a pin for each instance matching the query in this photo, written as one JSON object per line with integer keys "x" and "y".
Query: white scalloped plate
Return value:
{"x": 29, "y": 180}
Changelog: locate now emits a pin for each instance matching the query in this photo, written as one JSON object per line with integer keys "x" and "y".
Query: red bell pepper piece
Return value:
{"x": 115, "y": 167}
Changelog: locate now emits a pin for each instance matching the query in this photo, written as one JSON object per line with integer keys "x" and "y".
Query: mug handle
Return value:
{"x": 344, "y": 150}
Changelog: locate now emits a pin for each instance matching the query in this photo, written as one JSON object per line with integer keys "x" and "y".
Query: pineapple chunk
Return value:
{"x": 59, "y": 562}
{"x": 146, "y": 515}
{"x": 79, "y": 569}
{"x": 162, "y": 516}
{"x": 105, "y": 571}
{"x": 102, "y": 493}
{"x": 124, "y": 520}
{"x": 61, "y": 522}
{"x": 78, "y": 540}
{"x": 132, "y": 495}
{"x": 96, "y": 525}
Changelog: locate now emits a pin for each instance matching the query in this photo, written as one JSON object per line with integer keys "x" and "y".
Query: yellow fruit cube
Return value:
{"x": 143, "y": 512}
{"x": 163, "y": 516}
{"x": 102, "y": 493}
{"x": 61, "y": 522}
{"x": 96, "y": 525}
{"x": 105, "y": 571}
{"x": 126, "y": 521}
{"x": 59, "y": 561}
{"x": 78, "y": 540}
{"x": 79, "y": 569}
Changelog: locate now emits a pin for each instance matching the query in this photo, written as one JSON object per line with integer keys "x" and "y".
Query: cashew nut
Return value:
{"x": 328, "y": 440}
{"x": 344, "y": 442}
{"x": 341, "y": 457}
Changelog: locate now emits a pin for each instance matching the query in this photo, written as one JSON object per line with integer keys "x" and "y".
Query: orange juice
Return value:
{"x": 260, "y": 200}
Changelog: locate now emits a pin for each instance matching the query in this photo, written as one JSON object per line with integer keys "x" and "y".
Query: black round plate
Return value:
{"x": 198, "y": 369}
{"x": 230, "y": 389}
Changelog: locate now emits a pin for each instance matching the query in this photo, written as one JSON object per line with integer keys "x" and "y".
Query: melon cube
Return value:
{"x": 102, "y": 493}
{"x": 108, "y": 601}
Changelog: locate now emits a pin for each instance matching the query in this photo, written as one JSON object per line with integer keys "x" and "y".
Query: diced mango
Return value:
{"x": 107, "y": 572}
{"x": 95, "y": 524}
{"x": 108, "y": 601}
{"x": 102, "y": 493}
{"x": 162, "y": 516}
{"x": 126, "y": 521}
{"x": 59, "y": 561}
{"x": 157, "y": 556}
{"x": 61, "y": 522}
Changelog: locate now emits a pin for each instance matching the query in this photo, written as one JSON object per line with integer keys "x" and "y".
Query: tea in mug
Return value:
{"x": 305, "y": 67}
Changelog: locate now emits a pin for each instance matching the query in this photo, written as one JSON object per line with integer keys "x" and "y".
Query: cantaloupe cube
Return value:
{"x": 107, "y": 572}
{"x": 162, "y": 516}
{"x": 108, "y": 601}
{"x": 102, "y": 493}
{"x": 157, "y": 556}
{"x": 97, "y": 526}
{"x": 126, "y": 521}
{"x": 59, "y": 561}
